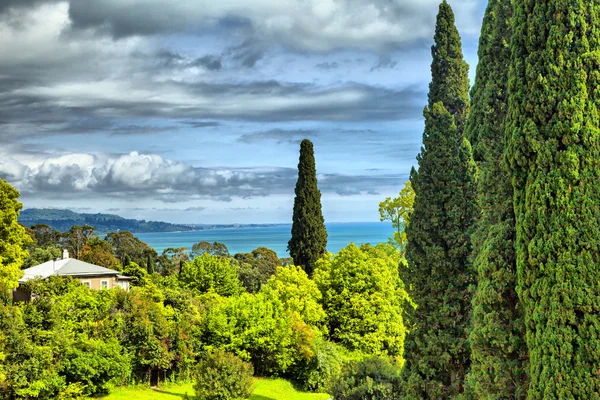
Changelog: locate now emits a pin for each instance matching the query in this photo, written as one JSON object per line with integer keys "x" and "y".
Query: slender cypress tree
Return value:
{"x": 150, "y": 264}
{"x": 498, "y": 350}
{"x": 439, "y": 273}
{"x": 309, "y": 236}
{"x": 553, "y": 149}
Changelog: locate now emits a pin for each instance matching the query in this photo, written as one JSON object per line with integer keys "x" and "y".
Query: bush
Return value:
{"x": 373, "y": 378}
{"x": 223, "y": 376}
{"x": 314, "y": 373}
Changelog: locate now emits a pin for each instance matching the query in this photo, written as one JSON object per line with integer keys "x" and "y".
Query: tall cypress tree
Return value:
{"x": 553, "y": 149}
{"x": 150, "y": 264}
{"x": 498, "y": 350}
{"x": 439, "y": 273}
{"x": 309, "y": 236}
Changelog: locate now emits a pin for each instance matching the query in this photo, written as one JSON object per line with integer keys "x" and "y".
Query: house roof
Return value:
{"x": 66, "y": 267}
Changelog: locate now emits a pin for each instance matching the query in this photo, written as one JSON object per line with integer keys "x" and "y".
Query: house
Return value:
{"x": 93, "y": 276}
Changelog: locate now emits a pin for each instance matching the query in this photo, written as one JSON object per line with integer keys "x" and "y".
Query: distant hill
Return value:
{"x": 63, "y": 220}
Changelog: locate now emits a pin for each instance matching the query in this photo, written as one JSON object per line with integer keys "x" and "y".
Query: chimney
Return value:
{"x": 65, "y": 254}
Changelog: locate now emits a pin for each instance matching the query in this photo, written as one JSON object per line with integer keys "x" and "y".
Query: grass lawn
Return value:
{"x": 265, "y": 389}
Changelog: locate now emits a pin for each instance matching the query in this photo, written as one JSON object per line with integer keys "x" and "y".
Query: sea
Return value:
{"x": 244, "y": 240}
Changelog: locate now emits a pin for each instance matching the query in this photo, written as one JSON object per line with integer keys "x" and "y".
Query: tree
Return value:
{"x": 45, "y": 235}
{"x": 172, "y": 260}
{"x": 13, "y": 240}
{"x": 39, "y": 255}
{"x": 150, "y": 263}
{"x": 309, "y": 236}
{"x": 438, "y": 249}
{"x": 214, "y": 249}
{"x": 210, "y": 272}
{"x": 498, "y": 350}
{"x": 76, "y": 238}
{"x": 257, "y": 267}
{"x": 223, "y": 376}
{"x": 125, "y": 244}
{"x": 553, "y": 148}
{"x": 298, "y": 293}
{"x": 99, "y": 252}
{"x": 363, "y": 298}
{"x": 398, "y": 211}
{"x": 139, "y": 274}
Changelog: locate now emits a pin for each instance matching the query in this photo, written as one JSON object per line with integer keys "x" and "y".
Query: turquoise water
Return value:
{"x": 244, "y": 240}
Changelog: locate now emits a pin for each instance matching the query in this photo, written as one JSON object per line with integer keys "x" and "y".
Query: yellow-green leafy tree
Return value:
{"x": 13, "y": 240}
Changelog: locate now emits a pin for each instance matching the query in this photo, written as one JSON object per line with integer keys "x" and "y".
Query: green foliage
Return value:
{"x": 150, "y": 263}
{"x": 398, "y": 211}
{"x": 257, "y": 267}
{"x": 99, "y": 252}
{"x": 309, "y": 236}
{"x": 254, "y": 328}
{"x": 125, "y": 244}
{"x": 553, "y": 150}
{"x": 13, "y": 240}
{"x": 139, "y": 274}
{"x": 314, "y": 373}
{"x": 172, "y": 259}
{"x": 439, "y": 273}
{"x": 498, "y": 350}
{"x": 214, "y": 249}
{"x": 298, "y": 294}
{"x": 363, "y": 298}
{"x": 39, "y": 255}
{"x": 44, "y": 236}
{"x": 95, "y": 364}
{"x": 76, "y": 238}
{"x": 208, "y": 272}
{"x": 450, "y": 73}
{"x": 223, "y": 376}
{"x": 374, "y": 378}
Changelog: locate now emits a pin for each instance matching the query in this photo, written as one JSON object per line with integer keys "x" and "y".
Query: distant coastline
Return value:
{"x": 63, "y": 219}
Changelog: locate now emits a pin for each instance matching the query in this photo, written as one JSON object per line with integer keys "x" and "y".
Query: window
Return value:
{"x": 103, "y": 284}
{"x": 87, "y": 283}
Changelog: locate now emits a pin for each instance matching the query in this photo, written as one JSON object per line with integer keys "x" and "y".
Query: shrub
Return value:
{"x": 373, "y": 378}
{"x": 223, "y": 376}
{"x": 314, "y": 373}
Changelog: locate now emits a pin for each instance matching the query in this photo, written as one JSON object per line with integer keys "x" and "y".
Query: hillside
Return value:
{"x": 63, "y": 220}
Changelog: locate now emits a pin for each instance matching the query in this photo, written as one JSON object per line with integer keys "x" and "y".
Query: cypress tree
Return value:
{"x": 498, "y": 350}
{"x": 150, "y": 264}
{"x": 553, "y": 150}
{"x": 439, "y": 273}
{"x": 309, "y": 236}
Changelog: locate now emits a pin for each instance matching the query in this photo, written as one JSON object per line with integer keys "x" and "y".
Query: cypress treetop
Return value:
{"x": 553, "y": 150}
{"x": 449, "y": 71}
{"x": 309, "y": 236}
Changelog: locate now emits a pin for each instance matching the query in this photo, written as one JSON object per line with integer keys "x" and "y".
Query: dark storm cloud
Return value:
{"x": 5, "y": 5}
{"x": 313, "y": 24}
{"x": 258, "y": 101}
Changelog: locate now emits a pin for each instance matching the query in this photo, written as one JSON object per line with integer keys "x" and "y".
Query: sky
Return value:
{"x": 193, "y": 111}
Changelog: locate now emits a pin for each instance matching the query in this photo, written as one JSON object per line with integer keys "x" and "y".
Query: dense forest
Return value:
{"x": 488, "y": 289}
